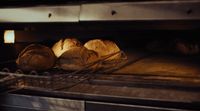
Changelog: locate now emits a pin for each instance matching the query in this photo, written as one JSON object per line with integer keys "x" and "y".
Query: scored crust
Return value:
{"x": 65, "y": 44}
{"x": 103, "y": 48}
{"x": 76, "y": 58}
{"x": 36, "y": 57}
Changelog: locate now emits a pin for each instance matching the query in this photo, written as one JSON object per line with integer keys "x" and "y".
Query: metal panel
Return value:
{"x": 16, "y": 108}
{"x": 41, "y": 14}
{"x": 40, "y": 103}
{"x": 160, "y": 10}
{"x": 98, "y": 106}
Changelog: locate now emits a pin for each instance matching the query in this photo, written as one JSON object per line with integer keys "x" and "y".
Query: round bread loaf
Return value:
{"x": 36, "y": 57}
{"x": 103, "y": 48}
{"x": 76, "y": 58}
{"x": 187, "y": 48}
{"x": 63, "y": 45}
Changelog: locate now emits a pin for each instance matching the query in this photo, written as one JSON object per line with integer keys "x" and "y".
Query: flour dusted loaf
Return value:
{"x": 103, "y": 48}
{"x": 76, "y": 58}
{"x": 65, "y": 44}
{"x": 36, "y": 57}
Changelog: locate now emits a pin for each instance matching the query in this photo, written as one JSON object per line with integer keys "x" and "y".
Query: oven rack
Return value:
{"x": 56, "y": 78}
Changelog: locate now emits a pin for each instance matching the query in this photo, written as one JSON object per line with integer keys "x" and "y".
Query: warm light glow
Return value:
{"x": 9, "y": 36}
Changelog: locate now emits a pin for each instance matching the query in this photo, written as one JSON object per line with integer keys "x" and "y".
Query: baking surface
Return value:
{"x": 166, "y": 65}
{"x": 149, "y": 77}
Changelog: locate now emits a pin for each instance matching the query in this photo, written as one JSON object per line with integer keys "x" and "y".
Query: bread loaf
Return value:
{"x": 36, "y": 57}
{"x": 63, "y": 45}
{"x": 76, "y": 58}
{"x": 103, "y": 48}
{"x": 187, "y": 48}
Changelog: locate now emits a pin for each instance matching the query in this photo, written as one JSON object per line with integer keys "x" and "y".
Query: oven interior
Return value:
{"x": 154, "y": 66}
{"x": 159, "y": 40}
{"x": 149, "y": 46}
{"x": 155, "y": 40}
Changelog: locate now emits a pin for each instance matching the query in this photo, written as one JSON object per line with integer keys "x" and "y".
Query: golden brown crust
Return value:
{"x": 76, "y": 58}
{"x": 36, "y": 57}
{"x": 65, "y": 44}
{"x": 103, "y": 48}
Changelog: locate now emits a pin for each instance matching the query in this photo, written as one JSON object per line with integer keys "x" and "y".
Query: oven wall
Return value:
{"x": 128, "y": 35}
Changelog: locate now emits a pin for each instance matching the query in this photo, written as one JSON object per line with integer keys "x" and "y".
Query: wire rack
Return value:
{"x": 55, "y": 78}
